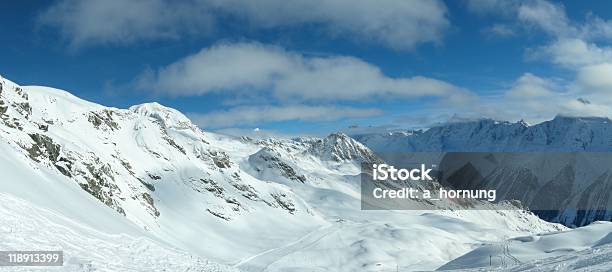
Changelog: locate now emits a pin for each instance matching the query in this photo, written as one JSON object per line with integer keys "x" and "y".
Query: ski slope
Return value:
{"x": 588, "y": 248}
{"x": 25, "y": 226}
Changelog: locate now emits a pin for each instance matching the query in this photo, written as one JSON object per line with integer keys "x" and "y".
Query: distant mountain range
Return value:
{"x": 560, "y": 134}
{"x": 548, "y": 176}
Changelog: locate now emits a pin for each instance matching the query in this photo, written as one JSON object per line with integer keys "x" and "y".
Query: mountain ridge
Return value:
{"x": 563, "y": 135}
{"x": 559, "y": 134}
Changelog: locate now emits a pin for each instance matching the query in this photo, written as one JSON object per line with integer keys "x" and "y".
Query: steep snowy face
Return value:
{"x": 269, "y": 163}
{"x": 166, "y": 117}
{"x": 339, "y": 147}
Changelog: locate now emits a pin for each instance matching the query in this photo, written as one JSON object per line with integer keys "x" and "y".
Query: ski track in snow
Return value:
{"x": 261, "y": 261}
{"x": 587, "y": 248}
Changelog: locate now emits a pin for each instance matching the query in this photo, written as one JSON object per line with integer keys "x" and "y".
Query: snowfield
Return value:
{"x": 583, "y": 249}
{"x": 143, "y": 189}
{"x": 27, "y": 227}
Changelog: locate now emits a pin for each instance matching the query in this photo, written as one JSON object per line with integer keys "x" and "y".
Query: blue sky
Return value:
{"x": 311, "y": 67}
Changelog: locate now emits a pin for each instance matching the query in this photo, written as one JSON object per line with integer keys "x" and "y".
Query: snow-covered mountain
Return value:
{"x": 560, "y": 134}
{"x": 145, "y": 178}
{"x": 536, "y": 178}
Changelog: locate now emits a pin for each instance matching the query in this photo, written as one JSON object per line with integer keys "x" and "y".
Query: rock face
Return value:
{"x": 339, "y": 147}
{"x": 570, "y": 188}
{"x": 268, "y": 158}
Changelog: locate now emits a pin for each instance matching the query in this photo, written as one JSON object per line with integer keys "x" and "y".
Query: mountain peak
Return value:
{"x": 340, "y": 147}
{"x": 338, "y": 136}
{"x": 165, "y": 116}
{"x": 563, "y": 133}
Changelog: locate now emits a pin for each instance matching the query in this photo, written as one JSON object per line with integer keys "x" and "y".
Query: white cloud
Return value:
{"x": 552, "y": 18}
{"x": 546, "y": 16}
{"x": 399, "y": 24}
{"x": 257, "y": 133}
{"x": 531, "y": 86}
{"x": 125, "y": 22}
{"x": 573, "y": 45}
{"x": 495, "y": 8}
{"x": 577, "y": 107}
{"x": 596, "y": 28}
{"x": 573, "y": 53}
{"x": 531, "y": 98}
{"x": 253, "y": 115}
{"x": 222, "y": 67}
{"x": 492, "y": 7}
{"x": 596, "y": 78}
{"x": 576, "y": 47}
{"x": 536, "y": 99}
{"x": 287, "y": 76}
{"x": 499, "y": 30}
{"x": 541, "y": 15}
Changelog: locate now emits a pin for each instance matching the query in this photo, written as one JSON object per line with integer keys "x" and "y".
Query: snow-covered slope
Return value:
{"x": 582, "y": 249}
{"x": 150, "y": 164}
{"x": 26, "y": 226}
{"x": 147, "y": 171}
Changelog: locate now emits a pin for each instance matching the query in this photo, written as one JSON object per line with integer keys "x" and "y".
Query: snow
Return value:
{"x": 168, "y": 117}
{"x": 25, "y": 226}
{"x": 418, "y": 242}
{"x": 586, "y": 249}
{"x": 45, "y": 188}
{"x": 583, "y": 160}
{"x": 560, "y": 134}
{"x": 148, "y": 180}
